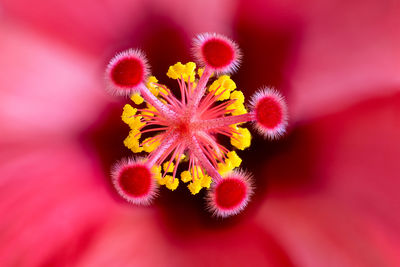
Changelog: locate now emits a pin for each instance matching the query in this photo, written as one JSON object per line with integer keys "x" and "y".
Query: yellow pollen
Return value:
{"x": 161, "y": 180}
{"x": 224, "y": 82}
{"x": 128, "y": 114}
{"x": 234, "y": 159}
{"x": 186, "y": 176}
{"x": 200, "y": 72}
{"x": 239, "y": 110}
{"x": 225, "y": 167}
{"x": 156, "y": 169}
{"x": 195, "y": 187}
{"x": 150, "y": 146}
{"x": 206, "y": 181}
{"x": 179, "y": 70}
{"x": 171, "y": 183}
{"x": 136, "y": 123}
{"x": 137, "y": 99}
{"x": 151, "y": 85}
{"x": 238, "y": 95}
{"x": 199, "y": 180}
{"x": 165, "y": 91}
{"x": 171, "y": 167}
{"x": 241, "y": 140}
{"x": 149, "y": 108}
{"x": 132, "y": 142}
{"x": 237, "y": 106}
{"x": 182, "y": 158}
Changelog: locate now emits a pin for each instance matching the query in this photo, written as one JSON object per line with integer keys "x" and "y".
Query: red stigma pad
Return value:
{"x": 217, "y": 53}
{"x": 268, "y": 112}
{"x": 128, "y": 72}
{"x": 135, "y": 180}
{"x": 230, "y": 193}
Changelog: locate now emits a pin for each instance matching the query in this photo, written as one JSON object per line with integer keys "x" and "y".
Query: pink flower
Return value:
{"x": 327, "y": 193}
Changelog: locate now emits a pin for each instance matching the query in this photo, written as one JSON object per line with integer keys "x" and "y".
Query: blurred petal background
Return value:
{"x": 327, "y": 193}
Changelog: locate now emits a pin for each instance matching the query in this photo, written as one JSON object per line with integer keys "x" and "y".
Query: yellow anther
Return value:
{"x": 238, "y": 95}
{"x": 239, "y": 110}
{"x": 128, "y": 114}
{"x": 197, "y": 174}
{"x": 132, "y": 142}
{"x": 224, "y": 82}
{"x": 134, "y": 136}
{"x": 181, "y": 158}
{"x": 136, "y": 123}
{"x": 186, "y": 176}
{"x": 234, "y": 159}
{"x": 179, "y": 70}
{"x": 234, "y": 126}
{"x": 165, "y": 91}
{"x": 171, "y": 183}
{"x": 190, "y": 69}
{"x": 136, "y": 149}
{"x": 225, "y": 167}
{"x": 156, "y": 170}
{"x": 161, "y": 180}
{"x": 195, "y": 187}
{"x": 200, "y": 72}
{"x": 241, "y": 140}
{"x": 237, "y": 106}
{"x": 150, "y": 146}
{"x": 224, "y": 96}
{"x": 206, "y": 181}
{"x": 171, "y": 167}
{"x": 149, "y": 108}
{"x": 151, "y": 85}
{"x": 137, "y": 99}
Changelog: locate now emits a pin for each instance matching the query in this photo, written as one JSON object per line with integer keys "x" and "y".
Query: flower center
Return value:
{"x": 187, "y": 129}
{"x": 183, "y": 128}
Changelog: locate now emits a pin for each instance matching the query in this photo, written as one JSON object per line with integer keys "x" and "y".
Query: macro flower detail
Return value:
{"x": 183, "y": 135}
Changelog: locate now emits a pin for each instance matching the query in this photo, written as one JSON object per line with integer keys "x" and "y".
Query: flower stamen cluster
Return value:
{"x": 180, "y": 134}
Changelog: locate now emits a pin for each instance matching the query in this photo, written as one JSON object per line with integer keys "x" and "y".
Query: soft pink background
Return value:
{"x": 327, "y": 194}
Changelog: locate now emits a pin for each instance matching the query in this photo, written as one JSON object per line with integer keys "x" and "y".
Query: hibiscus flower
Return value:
{"x": 326, "y": 193}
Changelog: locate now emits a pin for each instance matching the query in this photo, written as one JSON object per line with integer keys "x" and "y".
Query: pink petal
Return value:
{"x": 142, "y": 240}
{"x": 333, "y": 196}
{"x": 325, "y": 55}
{"x": 47, "y": 88}
{"x": 95, "y": 27}
{"x": 53, "y": 201}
